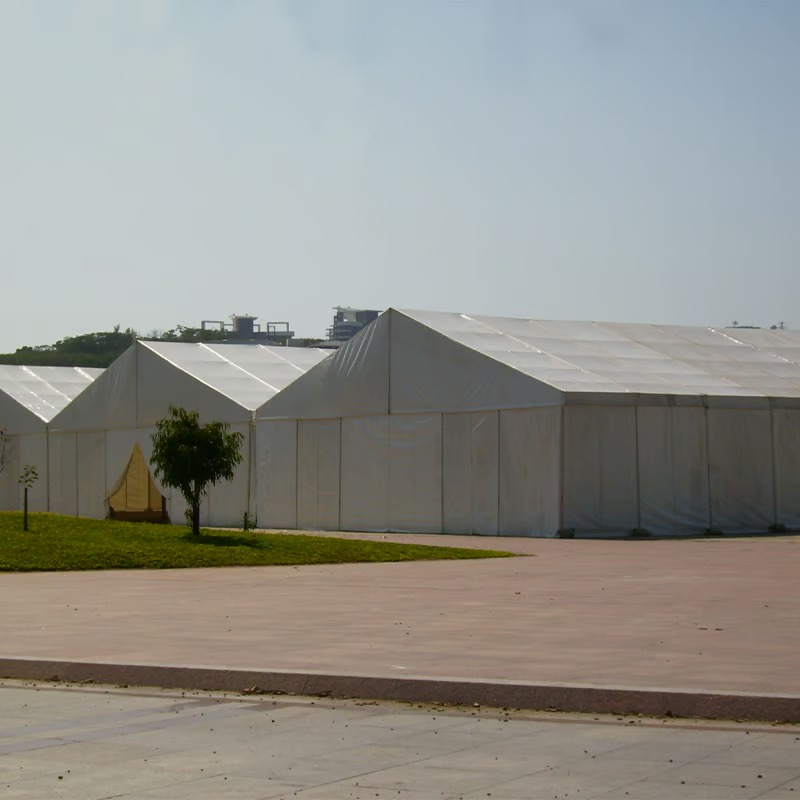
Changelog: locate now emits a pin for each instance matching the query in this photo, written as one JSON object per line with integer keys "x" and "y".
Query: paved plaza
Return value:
{"x": 710, "y": 614}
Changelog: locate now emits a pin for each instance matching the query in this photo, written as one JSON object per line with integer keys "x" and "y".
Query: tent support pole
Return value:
{"x": 339, "y": 506}
{"x": 47, "y": 462}
{"x": 708, "y": 468}
{"x": 77, "y": 480}
{"x": 389, "y": 366}
{"x": 250, "y": 437}
{"x": 561, "y": 470}
{"x": 441, "y": 473}
{"x": 297, "y": 475}
{"x": 638, "y": 470}
{"x": 775, "y": 520}
{"x": 499, "y": 478}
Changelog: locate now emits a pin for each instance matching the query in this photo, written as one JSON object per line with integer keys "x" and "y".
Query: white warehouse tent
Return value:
{"x": 452, "y": 423}
{"x": 29, "y": 398}
{"x": 100, "y": 445}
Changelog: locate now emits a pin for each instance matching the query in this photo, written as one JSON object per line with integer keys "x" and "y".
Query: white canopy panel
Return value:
{"x": 34, "y": 395}
{"x": 428, "y": 361}
{"x": 222, "y": 381}
{"x": 353, "y": 382}
{"x": 623, "y": 358}
{"x": 246, "y": 373}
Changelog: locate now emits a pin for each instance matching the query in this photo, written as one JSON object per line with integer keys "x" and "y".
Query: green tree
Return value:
{"x": 191, "y": 458}
{"x": 182, "y": 333}
{"x": 87, "y": 350}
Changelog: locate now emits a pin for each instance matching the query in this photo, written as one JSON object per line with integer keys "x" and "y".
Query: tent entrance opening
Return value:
{"x": 136, "y": 496}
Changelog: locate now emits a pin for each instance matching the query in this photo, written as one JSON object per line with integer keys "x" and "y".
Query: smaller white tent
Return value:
{"x": 101, "y": 445}
{"x": 29, "y": 398}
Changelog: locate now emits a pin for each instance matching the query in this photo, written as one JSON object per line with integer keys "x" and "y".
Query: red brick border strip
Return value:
{"x": 542, "y": 696}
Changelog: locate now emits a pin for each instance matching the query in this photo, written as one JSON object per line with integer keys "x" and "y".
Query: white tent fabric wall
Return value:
{"x": 470, "y": 502}
{"x": 365, "y": 474}
{"x": 530, "y": 472}
{"x": 29, "y": 398}
{"x": 32, "y": 449}
{"x": 318, "y": 462}
{"x": 415, "y": 472}
{"x": 276, "y": 474}
{"x": 741, "y": 469}
{"x": 90, "y": 458}
{"x": 224, "y": 382}
{"x": 63, "y": 473}
{"x": 600, "y": 476}
{"x": 229, "y": 500}
{"x": 673, "y": 469}
{"x": 786, "y": 441}
{"x": 9, "y": 488}
{"x": 391, "y": 473}
{"x": 85, "y": 466}
{"x": 23, "y": 449}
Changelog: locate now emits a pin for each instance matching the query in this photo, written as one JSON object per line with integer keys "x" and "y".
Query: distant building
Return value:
{"x": 347, "y": 322}
{"x": 244, "y": 328}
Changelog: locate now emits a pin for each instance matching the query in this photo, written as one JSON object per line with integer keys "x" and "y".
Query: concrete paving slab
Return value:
{"x": 417, "y": 751}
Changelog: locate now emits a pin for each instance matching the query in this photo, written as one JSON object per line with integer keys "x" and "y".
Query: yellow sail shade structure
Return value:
{"x": 136, "y": 496}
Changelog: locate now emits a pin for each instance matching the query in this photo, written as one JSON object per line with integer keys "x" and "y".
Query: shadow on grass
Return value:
{"x": 222, "y": 541}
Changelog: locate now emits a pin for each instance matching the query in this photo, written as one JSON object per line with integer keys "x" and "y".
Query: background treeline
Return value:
{"x": 101, "y": 348}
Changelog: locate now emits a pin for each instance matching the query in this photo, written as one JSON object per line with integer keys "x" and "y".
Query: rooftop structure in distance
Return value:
{"x": 244, "y": 328}
{"x": 780, "y": 326}
{"x": 347, "y": 322}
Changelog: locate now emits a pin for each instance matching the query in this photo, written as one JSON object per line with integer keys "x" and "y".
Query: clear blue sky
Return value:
{"x": 166, "y": 161}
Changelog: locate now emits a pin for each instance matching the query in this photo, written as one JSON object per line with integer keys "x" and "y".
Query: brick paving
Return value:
{"x": 707, "y": 614}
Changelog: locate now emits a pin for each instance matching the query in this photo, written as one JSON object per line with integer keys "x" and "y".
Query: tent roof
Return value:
{"x": 621, "y": 358}
{"x": 419, "y": 361}
{"x": 248, "y": 374}
{"x": 34, "y": 395}
{"x": 224, "y": 382}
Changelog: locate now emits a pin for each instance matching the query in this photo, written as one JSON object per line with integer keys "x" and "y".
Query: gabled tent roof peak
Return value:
{"x": 39, "y": 393}
{"x": 248, "y": 374}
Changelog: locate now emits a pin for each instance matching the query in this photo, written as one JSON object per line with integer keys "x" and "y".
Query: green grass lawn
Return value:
{"x": 55, "y": 542}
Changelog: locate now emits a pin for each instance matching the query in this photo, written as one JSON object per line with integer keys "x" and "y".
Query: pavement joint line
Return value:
{"x": 188, "y": 704}
{"x": 582, "y": 698}
{"x": 159, "y": 723}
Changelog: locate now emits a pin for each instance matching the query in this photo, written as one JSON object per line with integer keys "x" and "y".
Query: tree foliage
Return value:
{"x": 191, "y": 457}
{"x": 87, "y": 350}
{"x": 181, "y": 333}
{"x": 102, "y": 348}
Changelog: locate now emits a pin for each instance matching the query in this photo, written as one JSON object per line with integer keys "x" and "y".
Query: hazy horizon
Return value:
{"x": 168, "y": 161}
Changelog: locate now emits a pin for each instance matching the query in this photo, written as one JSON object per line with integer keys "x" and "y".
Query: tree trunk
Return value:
{"x": 25, "y": 509}
{"x": 196, "y": 518}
